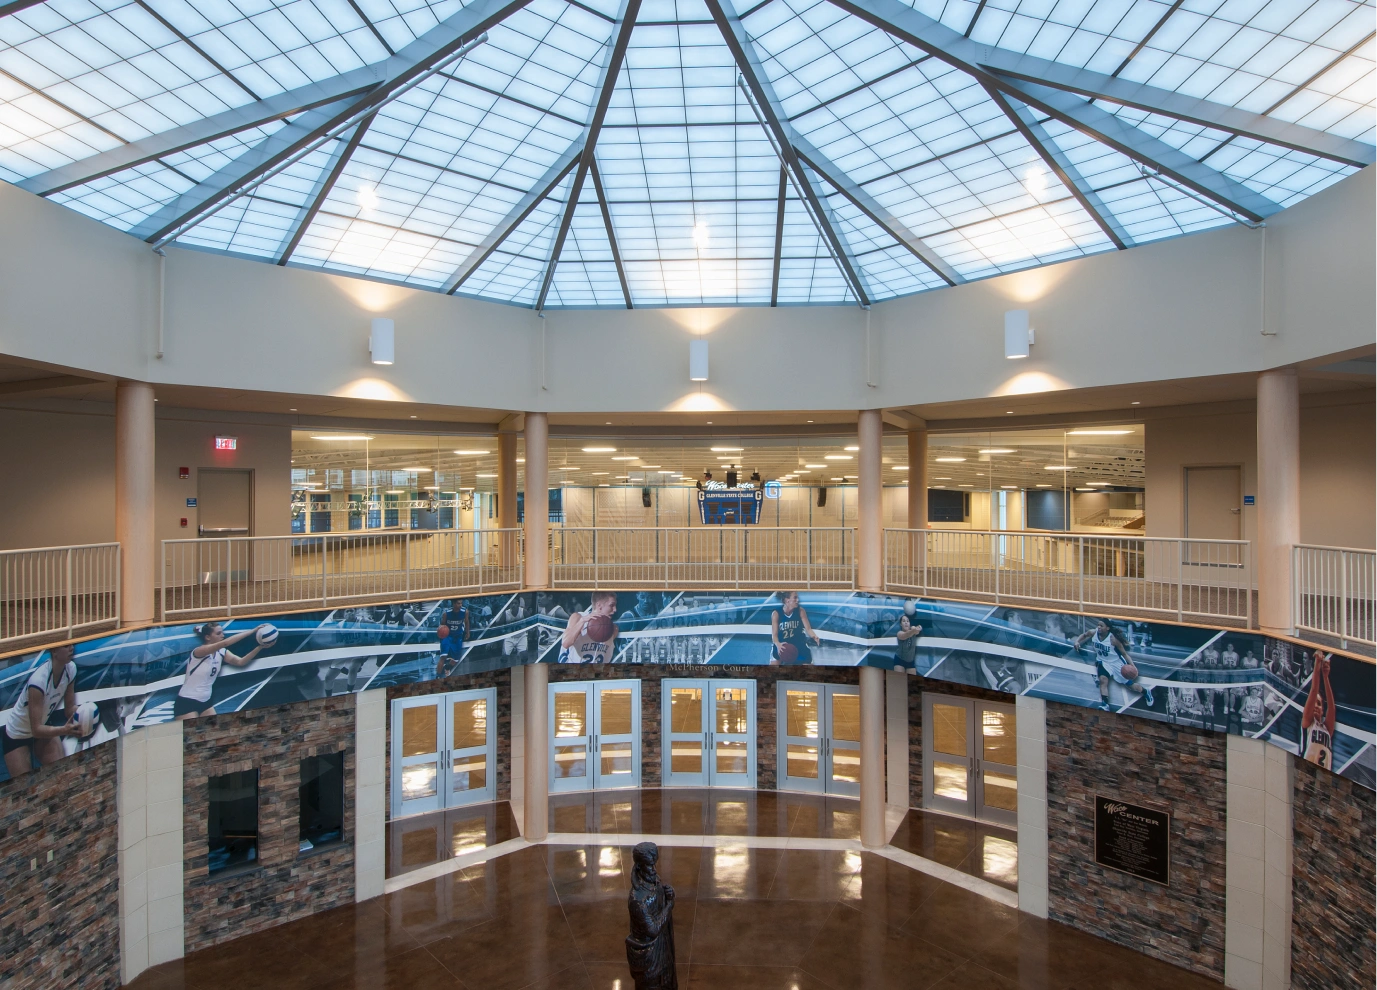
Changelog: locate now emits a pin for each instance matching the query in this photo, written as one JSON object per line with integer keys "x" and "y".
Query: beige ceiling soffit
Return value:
{"x": 904, "y": 420}
{"x": 515, "y": 423}
{"x": 46, "y": 384}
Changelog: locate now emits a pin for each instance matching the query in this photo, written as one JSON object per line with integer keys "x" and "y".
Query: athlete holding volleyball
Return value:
{"x": 1112, "y": 662}
{"x": 203, "y": 666}
{"x": 590, "y": 636}
{"x": 25, "y": 734}
{"x": 790, "y": 632}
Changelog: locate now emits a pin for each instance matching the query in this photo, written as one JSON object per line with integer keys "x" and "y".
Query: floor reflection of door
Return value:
{"x": 709, "y": 732}
{"x": 595, "y": 735}
{"x": 819, "y": 737}
{"x": 970, "y": 764}
{"x": 444, "y": 751}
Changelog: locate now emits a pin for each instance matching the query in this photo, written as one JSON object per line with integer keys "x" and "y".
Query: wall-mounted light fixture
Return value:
{"x": 382, "y": 343}
{"x": 698, "y": 359}
{"x": 1018, "y": 333}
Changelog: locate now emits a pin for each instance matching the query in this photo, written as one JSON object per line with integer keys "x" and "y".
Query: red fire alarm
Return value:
{"x": 184, "y": 522}
{"x": 184, "y": 473}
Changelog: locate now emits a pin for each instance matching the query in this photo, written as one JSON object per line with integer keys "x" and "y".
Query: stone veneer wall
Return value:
{"x": 1333, "y": 881}
{"x": 60, "y": 920}
{"x": 1157, "y": 765}
{"x": 285, "y": 884}
{"x": 500, "y": 679}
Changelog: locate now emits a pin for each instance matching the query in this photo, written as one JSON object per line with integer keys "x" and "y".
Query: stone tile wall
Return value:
{"x": 1333, "y": 880}
{"x": 285, "y": 884}
{"x": 1156, "y": 765}
{"x": 59, "y": 920}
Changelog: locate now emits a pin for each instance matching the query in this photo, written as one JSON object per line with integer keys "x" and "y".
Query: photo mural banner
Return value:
{"x": 1314, "y": 703}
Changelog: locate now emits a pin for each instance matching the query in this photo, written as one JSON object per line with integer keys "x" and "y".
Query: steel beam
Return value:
{"x": 625, "y": 24}
{"x": 782, "y": 134}
{"x": 611, "y": 233}
{"x": 328, "y": 178}
{"x": 779, "y": 232}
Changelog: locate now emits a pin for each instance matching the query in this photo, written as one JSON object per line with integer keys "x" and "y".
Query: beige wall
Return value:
{"x": 61, "y": 462}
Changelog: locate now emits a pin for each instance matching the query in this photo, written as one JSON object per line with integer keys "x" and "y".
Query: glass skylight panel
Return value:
{"x": 126, "y": 198}
{"x": 1037, "y": 235}
{"x": 37, "y": 134}
{"x": 1339, "y": 100}
{"x": 586, "y": 274}
{"x": 807, "y": 271}
{"x": 1150, "y": 209}
{"x": 1283, "y": 176}
{"x": 513, "y": 272}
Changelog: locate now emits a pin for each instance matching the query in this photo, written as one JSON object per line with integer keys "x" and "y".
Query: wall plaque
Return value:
{"x": 1133, "y": 839}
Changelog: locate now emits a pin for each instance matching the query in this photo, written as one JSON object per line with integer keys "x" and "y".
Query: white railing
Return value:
{"x": 259, "y": 573}
{"x": 1335, "y": 592}
{"x": 1183, "y": 578}
{"x": 724, "y": 557}
{"x": 58, "y": 590}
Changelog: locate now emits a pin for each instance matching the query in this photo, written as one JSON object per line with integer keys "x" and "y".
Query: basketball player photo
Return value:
{"x": 25, "y": 733}
{"x": 790, "y": 632}
{"x": 206, "y": 661}
{"x": 590, "y": 636}
{"x": 1112, "y": 662}
{"x": 1317, "y": 720}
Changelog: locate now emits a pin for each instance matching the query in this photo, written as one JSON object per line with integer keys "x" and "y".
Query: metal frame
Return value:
{"x": 611, "y": 233}
{"x": 307, "y": 214}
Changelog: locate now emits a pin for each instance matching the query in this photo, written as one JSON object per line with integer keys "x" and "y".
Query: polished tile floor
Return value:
{"x": 554, "y": 917}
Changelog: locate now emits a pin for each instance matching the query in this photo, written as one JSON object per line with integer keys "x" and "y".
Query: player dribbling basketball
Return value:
{"x": 1111, "y": 661}
{"x": 590, "y": 636}
{"x": 789, "y": 627}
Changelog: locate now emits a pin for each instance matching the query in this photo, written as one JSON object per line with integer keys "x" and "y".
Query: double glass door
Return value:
{"x": 595, "y": 735}
{"x": 444, "y": 751}
{"x": 971, "y": 758}
{"x": 819, "y": 737}
{"x": 709, "y": 734}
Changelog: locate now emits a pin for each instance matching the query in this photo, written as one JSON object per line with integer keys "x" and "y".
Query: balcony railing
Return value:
{"x": 256, "y": 573}
{"x": 1335, "y": 591}
{"x": 58, "y": 590}
{"x": 727, "y": 557}
{"x": 1195, "y": 579}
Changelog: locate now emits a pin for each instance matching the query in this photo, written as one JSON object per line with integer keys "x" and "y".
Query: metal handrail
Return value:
{"x": 63, "y": 589}
{"x": 1334, "y": 592}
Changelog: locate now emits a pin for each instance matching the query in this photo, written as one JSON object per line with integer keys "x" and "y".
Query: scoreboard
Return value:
{"x": 729, "y": 506}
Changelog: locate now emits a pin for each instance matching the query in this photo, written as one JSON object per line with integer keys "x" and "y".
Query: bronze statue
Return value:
{"x": 650, "y": 946}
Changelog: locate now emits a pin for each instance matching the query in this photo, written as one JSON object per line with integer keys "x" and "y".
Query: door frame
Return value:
{"x": 592, "y": 779}
{"x": 253, "y": 492}
{"x": 824, "y": 784}
{"x": 708, "y": 776}
{"x": 1186, "y": 496}
{"x": 397, "y": 807}
{"x": 975, "y": 807}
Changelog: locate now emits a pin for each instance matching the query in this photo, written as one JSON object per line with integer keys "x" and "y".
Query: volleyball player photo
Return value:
{"x": 25, "y": 733}
{"x": 590, "y": 636}
{"x": 1112, "y": 662}
{"x": 206, "y": 661}
{"x": 790, "y": 632}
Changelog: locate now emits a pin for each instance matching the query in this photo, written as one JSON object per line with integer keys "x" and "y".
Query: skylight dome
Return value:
{"x": 577, "y": 153}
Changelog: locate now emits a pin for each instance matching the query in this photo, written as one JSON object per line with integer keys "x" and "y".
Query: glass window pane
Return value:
{"x": 232, "y": 820}
{"x": 615, "y": 757}
{"x": 685, "y": 756}
{"x": 615, "y": 712}
{"x": 998, "y": 740}
{"x": 732, "y": 757}
{"x": 571, "y": 714}
{"x": 1001, "y": 791}
{"x": 949, "y": 729}
{"x": 420, "y": 729}
{"x": 846, "y": 717}
{"x": 732, "y": 714}
{"x": 320, "y": 800}
{"x": 949, "y": 780}
{"x": 685, "y": 709}
{"x": 471, "y": 772}
{"x": 418, "y": 781}
{"x": 846, "y": 764}
{"x": 802, "y": 714}
{"x": 571, "y": 761}
{"x": 802, "y": 761}
{"x": 470, "y": 721}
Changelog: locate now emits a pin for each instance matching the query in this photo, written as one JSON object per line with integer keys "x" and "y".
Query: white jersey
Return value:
{"x": 585, "y": 649}
{"x": 19, "y": 720}
{"x": 200, "y": 675}
{"x": 1106, "y": 654}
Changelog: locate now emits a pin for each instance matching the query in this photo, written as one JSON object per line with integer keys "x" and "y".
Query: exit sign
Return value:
{"x": 226, "y": 443}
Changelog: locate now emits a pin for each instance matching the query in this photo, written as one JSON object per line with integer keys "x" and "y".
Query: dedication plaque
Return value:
{"x": 1133, "y": 840}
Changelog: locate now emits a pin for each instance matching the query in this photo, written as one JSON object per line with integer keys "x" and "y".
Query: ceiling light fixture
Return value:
{"x": 417, "y": 470}
{"x": 814, "y": 467}
{"x": 901, "y": 467}
{"x": 838, "y": 457}
{"x": 599, "y": 450}
{"x": 341, "y": 436}
{"x": 726, "y": 450}
{"x": 852, "y": 447}
{"x": 1059, "y": 467}
{"x": 998, "y": 450}
{"x": 1098, "y": 433}
{"x": 487, "y": 476}
{"x": 477, "y": 453}
{"x": 949, "y": 460}
{"x": 625, "y": 457}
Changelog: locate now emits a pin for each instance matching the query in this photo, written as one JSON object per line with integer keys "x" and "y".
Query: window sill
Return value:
{"x": 325, "y": 848}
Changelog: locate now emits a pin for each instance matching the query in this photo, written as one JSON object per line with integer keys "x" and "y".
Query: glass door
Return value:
{"x": 595, "y": 735}
{"x": 444, "y": 751}
{"x": 709, "y": 732}
{"x": 820, "y": 738}
{"x": 972, "y": 758}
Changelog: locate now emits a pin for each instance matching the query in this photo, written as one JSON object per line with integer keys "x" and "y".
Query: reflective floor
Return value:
{"x": 554, "y": 918}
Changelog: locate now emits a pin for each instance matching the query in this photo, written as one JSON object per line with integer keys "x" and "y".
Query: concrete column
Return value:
{"x": 1257, "y": 912}
{"x": 537, "y": 717}
{"x": 506, "y": 495}
{"x": 1278, "y": 493}
{"x": 918, "y": 479}
{"x": 537, "y": 501}
{"x": 134, "y": 447}
{"x": 872, "y": 757}
{"x": 370, "y": 794}
{"x": 870, "y": 504}
{"x": 518, "y": 741}
{"x": 896, "y": 740}
{"x": 1031, "y": 715}
{"x": 152, "y": 926}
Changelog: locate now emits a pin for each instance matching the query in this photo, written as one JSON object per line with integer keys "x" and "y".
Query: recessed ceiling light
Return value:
{"x": 599, "y": 450}
{"x": 1008, "y": 412}
{"x": 413, "y": 417}
{"x": 650, "y": 465}
{"x": 568, "y": 467}
{"x": 521, "y": 460}
{"x": 838, "y": 479}
{"x": 666, "y": 471}
{"x": 292, "y": 409}
{"x": 726, "y": 450}
{"x": 998, "y": 450}
{"x": 341, "y": 436}
{"x": 596, "y": 474}
{"x": 417, "y": 470}
{"x": 1059, "y": 467}
{"x": 1097, "y": 484}
{"x": 853, "y": 447}
{"x": 949, "y": 460}
{"x": 396, "y": 491}
{"x": 965, "y": 486}
{"x": 480, "y": 453}
{"x": 1008, "y": 486}
{"x": 1097, "y": 433}
{"x": 838, "y": 457}
{"x": 1135, "y": 402}
{"x": 814, "y": 467}
{"x": 901, "y": 467}
{"x": 623, "y": 477}
{"x": 1085, "y": 489}
{"x": 1046, "y": 486}
{"x": 941, "y": 479}
{"x": 625, "y": 457}
{"x": 810, "y": 421}
{"x": 487, "y": 476}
